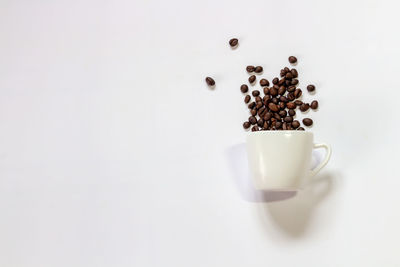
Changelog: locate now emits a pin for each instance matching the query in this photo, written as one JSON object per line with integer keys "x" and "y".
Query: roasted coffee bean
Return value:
{"x": 255, "y": 93}
{"x": 260, "y": 122}
{"x": 282, "y": 73}
{"x": 288, "y": 83}
{"x": 252, "y": 120}
{"x": 284, "y": 126}
{"x": 247, "y": 99}
{"x": 294, "y": 81}
{"x": 298, "y": 102}
{"x": 246, "y": 125}
{"x": 283, "y": 99}
{"x": 250, "y": 69}
{"x": 282, "y": 105}
{"x": 286, "y": 69}
{"x": 252, "y": 78}
{"x": 278, "y": 125}
{"x": 258, "y": 69}
{"x": 288, "y": 119}
{"x": 267, "y": 116}
{"x": 258, "y": 99}
{"x": 273, "y": 91}
{"x": 266, "y": 91}
{"x": 253, "y": 112}
{"x": 297, "y": 93}
{"x": 264, "y": 82}
{"x": 289, "y": 126}
{"x": 266, "y": 98}
{"x": 291, "y": 88}
{"x": 266, "y": 125}
{"x": 273, "y": 107}
{"x": 291, "y": 105}
{"x": 300, "y": 129}
{"x": 275, "y": 80}
{"x": 307, "y": 122}
{"x": 292, "y": 112}
{"x": 262, "y": 111}
{"x": 233, "y": 42}
{"x": 311, "y": 88}
{"x": 291, "y": 97}
{"x": 288, "y": 75}
{"x": 255, "y": 129}
{"x": 304, "y": 107}
{"x": 294, "y": 72}
{"x": 259, "y": 105}
{"x": 252, "y": 105}
{"x": 281, "y": 81}
{"x": 292, "y": 59}
{"x": 210, "y": 81}
{"x": 314, "y": 104}
{"x": 277, "y": 117}
{"x": 281, "y": 90}
{"x": 282, "y": 113}
{"x": 275, "y": 100}
{"x": 276, "y": 86}
{"x": 244, "y": 88}
{"x": 295, "y": 124}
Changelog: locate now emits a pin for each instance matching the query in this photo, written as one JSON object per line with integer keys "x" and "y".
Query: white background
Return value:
{"x": 113, "y": 151}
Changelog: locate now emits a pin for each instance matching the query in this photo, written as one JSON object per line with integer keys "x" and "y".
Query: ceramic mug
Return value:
{"x": 281, "y": 160}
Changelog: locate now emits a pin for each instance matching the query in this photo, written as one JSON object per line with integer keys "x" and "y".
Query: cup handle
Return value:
{"x": 326, "y": 159}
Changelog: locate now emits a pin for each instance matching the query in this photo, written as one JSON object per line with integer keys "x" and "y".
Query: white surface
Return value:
{"x": 100, "y": 166}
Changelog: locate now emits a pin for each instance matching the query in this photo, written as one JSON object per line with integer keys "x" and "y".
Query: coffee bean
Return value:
{"x": 252, "y": 120}
{"x": 266, "y": 125}
{"x": 282, "y": 73}
{"x": 252, "y": 78}
{"x": 210, "y": 81}
{"x": 267, "y": 116}
{"x": 264, "y": 82}
{"x": 284, "y": 126}
{"x": 294, "y": 72}
{"x": 247, "y": 99}
{"x": 258, "y": 99}
{"x": 292, "y": 59}
{"x": 255, "y": 93}
{"x": 314, "y": 104}
{"x": 291, "y": 105}
{"x": 291, "y": 88}
{"x": 259, "y": 104}
{"x": 311, "y": 88}
{"x": 295, "y": 124}
{"x": 250, "y": 69}
{"x": 278, "y": 125}
{"x": 266, "y": 91}
{"x": 275, "y": 80}
{"x": 252, "y": 105}
{"x": 277, "y": 117}
{"x": 233, "y": 42}
{"x": 276, "y": 86}
{"x": 291, "y": 97}
{"x": 304, "y": 107}
{"x": 294, "y": 81}
{"x": 258, "y": 69}
{"x": 260, "y": 122}
{"x": 253, "y": 112}
{"x": 289, "y": 75}
{"x": 281, "y": 90}
{"x": 300, "y": 129}
{"x": 297, "y": 93}
{"x": 281, "y": 81}
{"x": 273, "y": 107}
{"x": 289, "y": 126}
{"x": 307, "y": 122}
{"x": 275, "y": 100}
{"x": 246, "y": 125}
{"x": 283, "y": 99}
{"x": 273, "y": 91}
{"x": 244, "y": 88}
{"x": 286, "y": 69}
{"x": 265, "y": 98}
{"x": 292, "y": 112}
{"x": 255, "y": 129}
{"x": 262, "y": 111}
{"x": 298, "y": 102}
{"x": 282, "y": 113}
{"x": 288, "y": 119}
{"x": 282, "y": 105}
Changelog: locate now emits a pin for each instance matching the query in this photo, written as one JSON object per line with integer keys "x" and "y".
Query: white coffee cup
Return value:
{"x": 281, "y": 160}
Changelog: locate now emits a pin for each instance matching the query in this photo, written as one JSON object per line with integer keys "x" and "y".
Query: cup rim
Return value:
{"x": 279, "y": 132}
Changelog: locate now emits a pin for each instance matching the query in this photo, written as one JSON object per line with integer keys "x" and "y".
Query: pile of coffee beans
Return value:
{"x": 274, "y": 107}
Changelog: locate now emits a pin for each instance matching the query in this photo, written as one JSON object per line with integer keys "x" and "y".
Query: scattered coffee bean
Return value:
{"x": 277, "y": 117}
{"x": 304, "y": 107}
{"x": 282, "y": 113}
{"x": 284, "y": 126}
{"x": 275, "y": 80}
{"x": 307, "y": 122}
{"x": 295, "y": 124}
{"x": 292, "y": 112}
{"x": 288, "y": 82}
{"x": 258, "y": 69}
{"x": 288, "y": 119}
{"x": 314, "y": 104}
{"x": 262, "y": 111}
{"x": 264, "y": 82}
{"x": 255, "y": 129}
{"x": 273, "y": 91}
{"x": 233, "y": 42}
{"x": 252, "y": 105}
{"x": 288, "y": 75}
{"x": 250, "y": 69}
{"x": 292, "y": 59}
{"x": 258, "y": 99}
{"x": 259, "y": 104}
{"x": 283, "y": 99}
{"x": 297, "y": 93}
{"x": 252, "y": 78}
{"x": 210, "y": 81}
{"x": 281, "y": 90}
{"x": 300, "y": 129}
{"x": 281, "y": 81}
{"x": 260, "y": 122}
{"x": 291, "y": 105}
{"x": 282, "y": 105}
{"x": 252, "y": 120}
{"x": 267, "y": 116}
{"x": 253, "y": 112}
{"x": 244, "y": 88}
{"x": 266, "y": 91}
{"x": 255, "y": 93}
{"x": 294, "y": 81}
{"x": 294, "y": 73}
{"x": 298, "y": 102}
{"x": 311, "y": 88}
{"x": 291, "y": 97}
{"x": 266, "y": 125}
{"x": 291, "y": 88}
{"x": 246, "y": 125}
{"x": 275, "y": 100}
{"x": 247, "y": 99}
{"x": 273, "y": 107}
{"x": 278, "y": 125}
